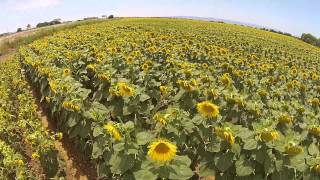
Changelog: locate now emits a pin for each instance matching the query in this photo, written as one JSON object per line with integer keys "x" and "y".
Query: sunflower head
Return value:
{"x": 163, "y": 89}
{"x": 113, "y": 131}
{"x": 268, "y": 135}
{"x": 145, "y": 67}
{"x": 285, "y": 119}
{"x": 316, "y": 168}
{"x": 315, "y": 130}
{"x": 225, "y": 134}
{"x": 162, "y": 150}
{"x": 125, "y": 90}
{"x": 292, "y": 149}
{"x": 66, "y": 72}
{"x": 129, "y": 60}
{"x": 160, "y": 118}
{"x": 208, "y": 109}
{"x": 226, "y": 80}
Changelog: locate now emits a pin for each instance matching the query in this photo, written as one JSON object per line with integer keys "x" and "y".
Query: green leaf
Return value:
{"x": 182, "y": 160}
{"x": 118, "y": 146}
{"x": 144, "y": 137}
{"x": 313, "y": 149}
{"x": 144, "y": 97}
{"x": 250, "y": 144}
{"x": 243, "y": 167}
{"x": 97, "y": 131}
{"x": 144, "y": 175}
{"x": 97, "y": 149}
{"x": 72, "y": 121}
{"x": 120, "y": 163}
{"x": 224, "y": 161}
{"x": 206, "y": 170}
{"x": 245, "y": 134}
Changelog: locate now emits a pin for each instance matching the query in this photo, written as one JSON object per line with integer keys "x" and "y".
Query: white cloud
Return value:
{"x": 22, "y": 5}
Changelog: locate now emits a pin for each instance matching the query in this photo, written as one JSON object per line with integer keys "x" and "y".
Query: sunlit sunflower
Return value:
{"x": 145, "y": 67}
{"x": 226, "y": 80}
{"x": 160, "y": 118}
{"x": 162, "y": 150}
{"x": 66, "y": 72}
{"x": 163, "y": 89}
{"x": 204, "y": 65}
{"x": 125, "y": 90}
{"x": 91, "y": 67}
{"x": 208, "y": 109}
{"x": 314, "y": 76}
{"x": 113, "y": 131}
{"x": 129, "y": 60}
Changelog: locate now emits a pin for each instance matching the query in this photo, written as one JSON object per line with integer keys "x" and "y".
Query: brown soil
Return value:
{"x": 78, "y": 167}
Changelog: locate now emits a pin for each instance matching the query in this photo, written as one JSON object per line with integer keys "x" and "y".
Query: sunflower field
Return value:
{"x": 22, "y": 136}
{"x": 157, "y": 98}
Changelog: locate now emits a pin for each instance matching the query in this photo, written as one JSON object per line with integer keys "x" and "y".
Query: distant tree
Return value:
{"x": 28, "y": 26}
{"x": 309, "y": 38}
{"x": 19, "y": 29}
{"x": 111, "y": 16}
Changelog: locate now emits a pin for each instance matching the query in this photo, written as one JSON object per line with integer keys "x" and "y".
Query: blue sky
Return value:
{"x": 293, "y": 16}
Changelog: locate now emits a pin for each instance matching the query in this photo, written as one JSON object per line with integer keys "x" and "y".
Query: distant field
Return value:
{"x": 150, "y": 98}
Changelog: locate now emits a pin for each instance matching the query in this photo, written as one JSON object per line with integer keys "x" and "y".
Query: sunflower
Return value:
{"x": 225, "y": 134}
{"x": 145, "y": 67}
{"x": 294, "y": 72}
{"x": 315, "y": 130}
{"x": 125, "y": 90}
{"x": 66, "y": 72}
{"x": 204, "y": 65}
{"x": 292, "y": 149}
{"x": 314, "y": 76}
{"x": 160, "y": 118}
{"x": 91, "y": 67}
{"x": 282, "y": 77}
{"x": 163, "y": 89}
{"x": 315, "y": 101}
{"x": 112, "y": 131}
{"x": 226, "y": 80}
{"x": 208, "y": 109}
{"x": 162, "y": 150}
{"x": 285, "y": 119}
{"x": 129, "y": 60}
{"x": 316, "y": 168}
{"x": 268, "y": 135}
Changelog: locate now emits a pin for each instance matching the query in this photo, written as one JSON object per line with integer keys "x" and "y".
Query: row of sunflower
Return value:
{"x": 175, "y": 99}
{"x": 21, "y": 134}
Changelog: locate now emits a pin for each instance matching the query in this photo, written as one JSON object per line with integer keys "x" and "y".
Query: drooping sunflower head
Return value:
{"x": 160, "y": 118}
{"x": 208, "y": 109}
{"x": 315, "y": 130}
{"x": 162, "y": 150}
{"x": 125, "y": 90}
{"x": 268, "y": 135}
{"x": 113, "y": 131}
{"x": 226, "y": 134}
{"x": 66, "y": 72}
{"x": 293, "y": 149}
